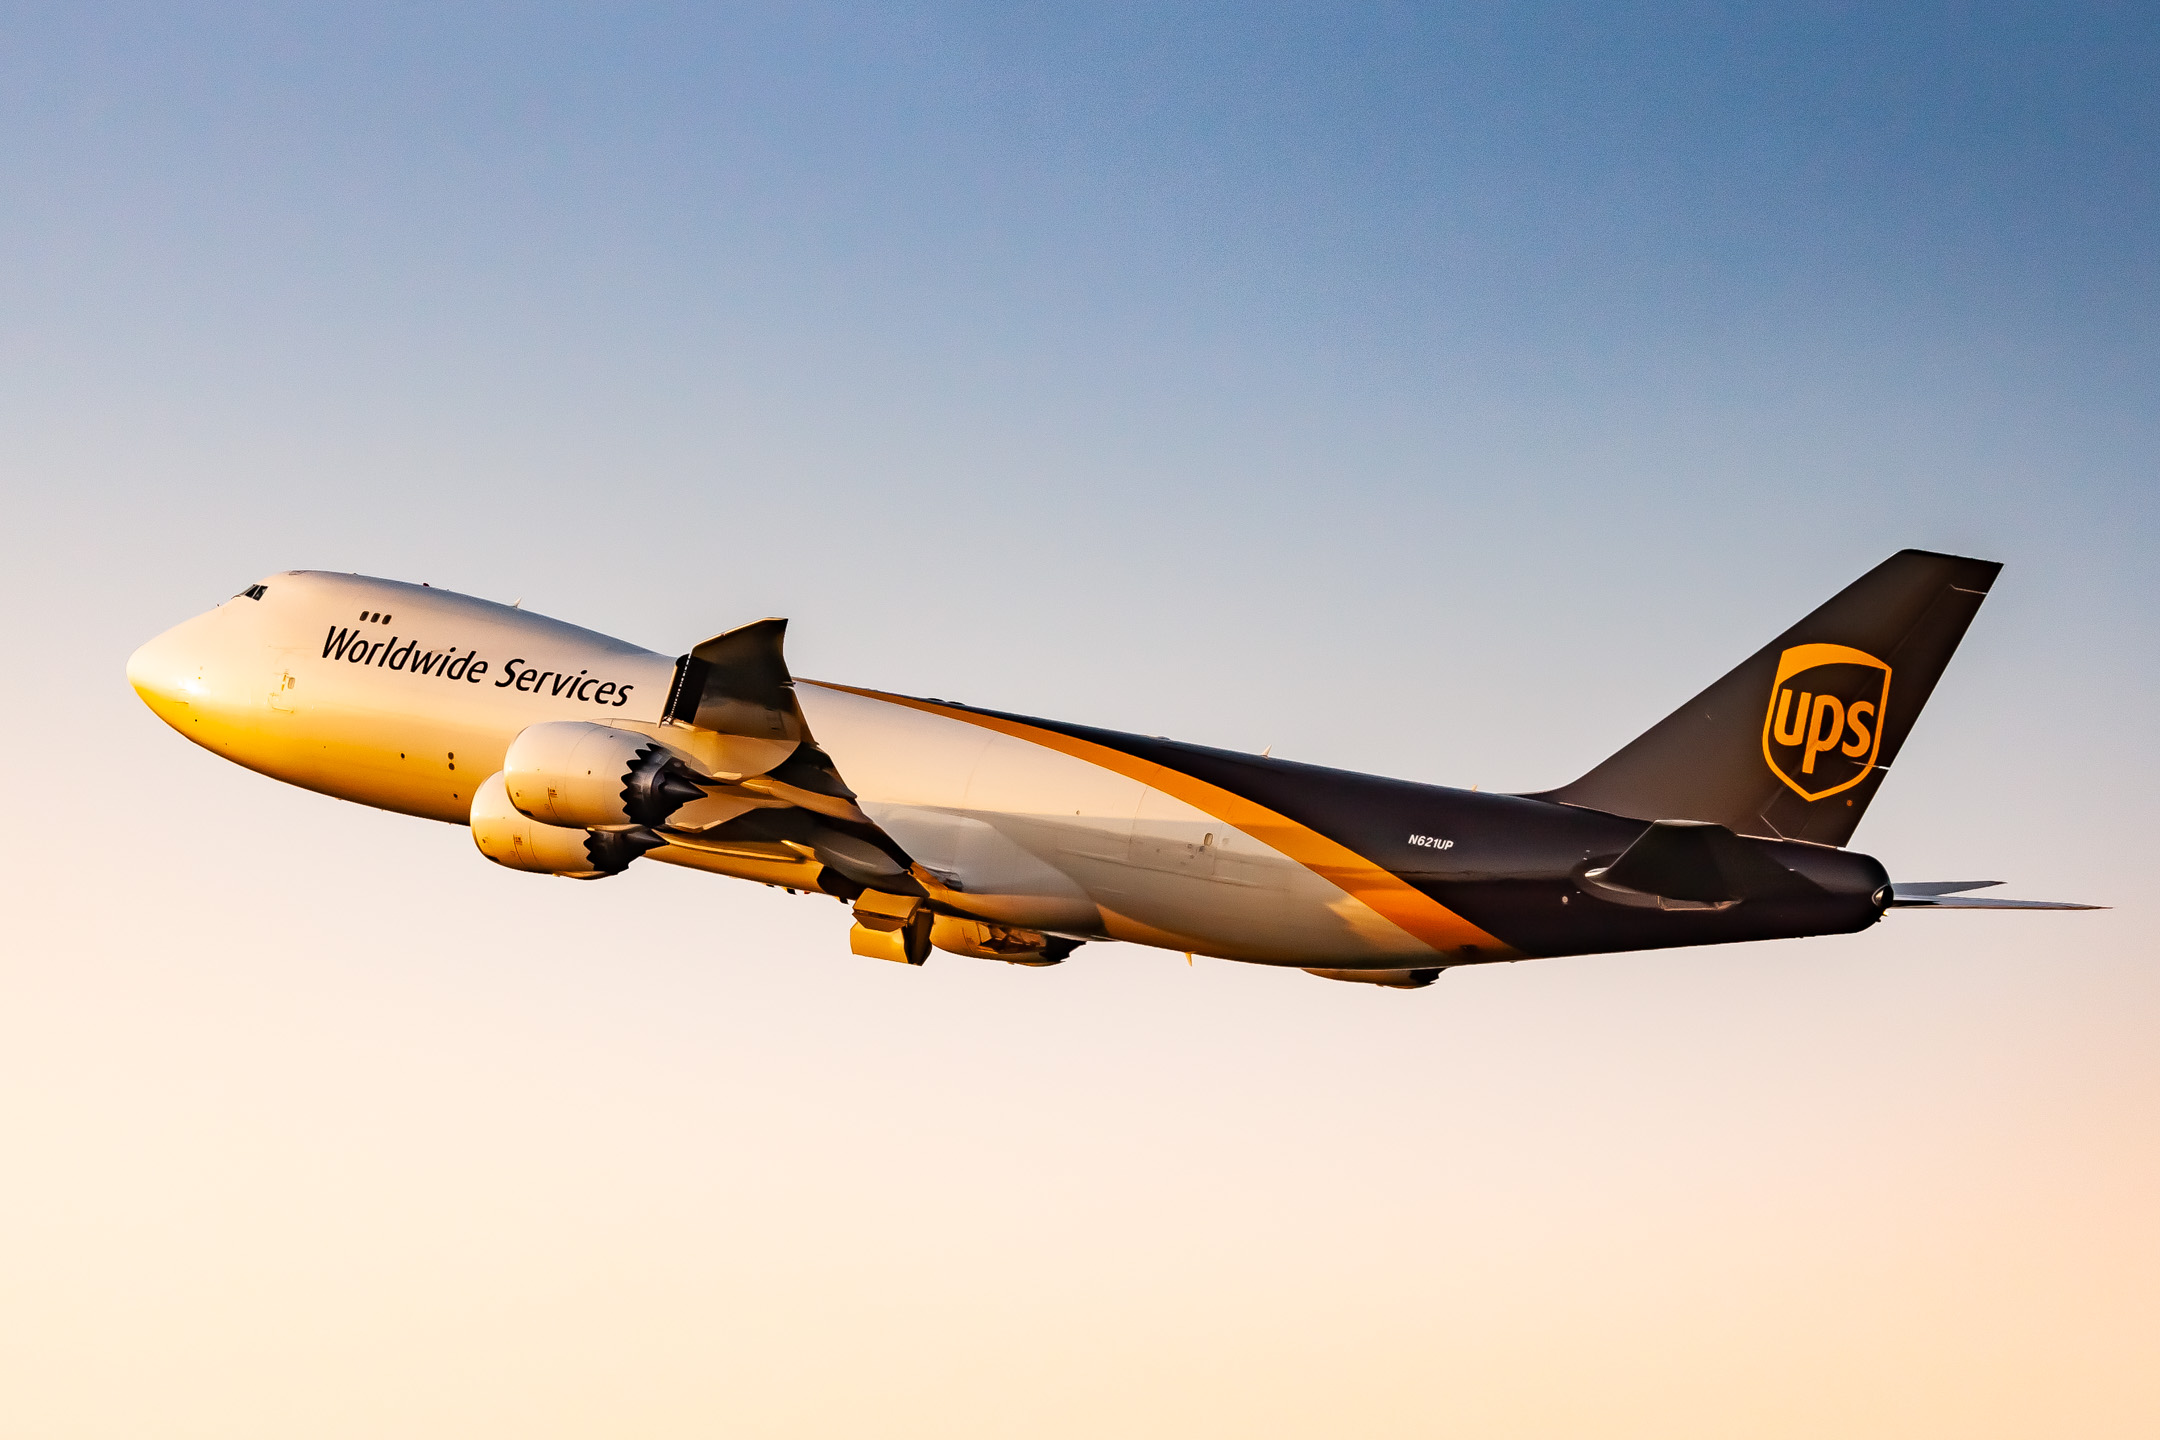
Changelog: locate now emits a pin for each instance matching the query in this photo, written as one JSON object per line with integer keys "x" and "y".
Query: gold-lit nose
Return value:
{"x": 164, "y": 675}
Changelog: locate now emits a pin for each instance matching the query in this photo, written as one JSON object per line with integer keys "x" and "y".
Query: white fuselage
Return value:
{"x": 406, "y": 698}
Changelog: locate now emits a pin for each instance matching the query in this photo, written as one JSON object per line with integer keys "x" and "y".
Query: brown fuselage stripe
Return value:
{"x": 1380, "y": 890}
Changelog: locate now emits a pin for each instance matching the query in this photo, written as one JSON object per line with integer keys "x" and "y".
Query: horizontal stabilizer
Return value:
{"x": 1943, "y": 895}
{"x": 1696, "y": 861}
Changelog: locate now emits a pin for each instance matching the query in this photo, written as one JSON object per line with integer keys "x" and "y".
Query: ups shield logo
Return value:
{"x": 1824, "y": 725}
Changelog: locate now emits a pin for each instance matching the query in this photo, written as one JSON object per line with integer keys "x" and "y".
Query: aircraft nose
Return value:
{"x": 164, "y": 675}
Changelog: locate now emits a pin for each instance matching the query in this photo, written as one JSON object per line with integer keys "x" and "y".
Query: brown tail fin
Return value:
{"x": 1796, "y": 741}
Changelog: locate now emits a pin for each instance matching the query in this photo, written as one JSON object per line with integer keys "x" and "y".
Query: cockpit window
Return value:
{"x": 253, "y": 592}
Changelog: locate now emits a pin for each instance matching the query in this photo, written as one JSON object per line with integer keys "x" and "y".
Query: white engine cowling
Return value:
{"x": 523, "y": 843}
{"x": 580, "y": 775}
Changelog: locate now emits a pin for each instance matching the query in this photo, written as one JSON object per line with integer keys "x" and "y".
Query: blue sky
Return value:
{"x": 1441, "y": 392}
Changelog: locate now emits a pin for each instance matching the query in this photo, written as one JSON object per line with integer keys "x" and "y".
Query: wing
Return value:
{"x": 783, "y": 815}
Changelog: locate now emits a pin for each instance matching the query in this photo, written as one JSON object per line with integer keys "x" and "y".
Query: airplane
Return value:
{"x": 949, "y": 827}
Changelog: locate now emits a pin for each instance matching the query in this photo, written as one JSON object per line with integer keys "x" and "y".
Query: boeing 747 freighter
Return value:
{"x": 944, "y": 826}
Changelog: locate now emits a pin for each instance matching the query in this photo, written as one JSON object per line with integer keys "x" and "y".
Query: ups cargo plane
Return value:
{"x": 945, "y": 826}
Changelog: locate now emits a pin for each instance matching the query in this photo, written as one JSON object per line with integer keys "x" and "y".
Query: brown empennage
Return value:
{"x": 1795, "y": 741}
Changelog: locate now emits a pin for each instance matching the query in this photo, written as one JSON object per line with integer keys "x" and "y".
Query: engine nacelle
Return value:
{"x": 579, "y": 775}
{"x": 522, "y": 843}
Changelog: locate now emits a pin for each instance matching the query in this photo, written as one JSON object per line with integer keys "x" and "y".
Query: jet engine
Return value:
{"x": 577, "y": 774}
{"x": 523, "y": 843}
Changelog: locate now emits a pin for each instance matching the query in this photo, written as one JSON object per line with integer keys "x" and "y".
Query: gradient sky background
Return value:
{"x": 1445, "y": 393}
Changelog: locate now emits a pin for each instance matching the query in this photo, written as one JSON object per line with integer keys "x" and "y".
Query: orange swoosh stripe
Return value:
{"x": 1386, "y": 893}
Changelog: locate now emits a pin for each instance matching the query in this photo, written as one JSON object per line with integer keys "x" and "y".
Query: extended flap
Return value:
{"x": 738, "y": 684}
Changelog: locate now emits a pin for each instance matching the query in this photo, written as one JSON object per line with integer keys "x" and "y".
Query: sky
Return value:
{"x": 1440, "y": 392}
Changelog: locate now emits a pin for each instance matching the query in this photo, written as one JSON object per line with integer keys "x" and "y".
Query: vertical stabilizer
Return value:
{"x": 1795, "y": 742}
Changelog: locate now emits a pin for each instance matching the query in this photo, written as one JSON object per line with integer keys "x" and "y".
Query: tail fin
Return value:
{"x": 1795, "y": 742}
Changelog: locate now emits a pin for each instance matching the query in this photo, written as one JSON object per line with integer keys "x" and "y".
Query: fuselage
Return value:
{"x": 406, "y": 698}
